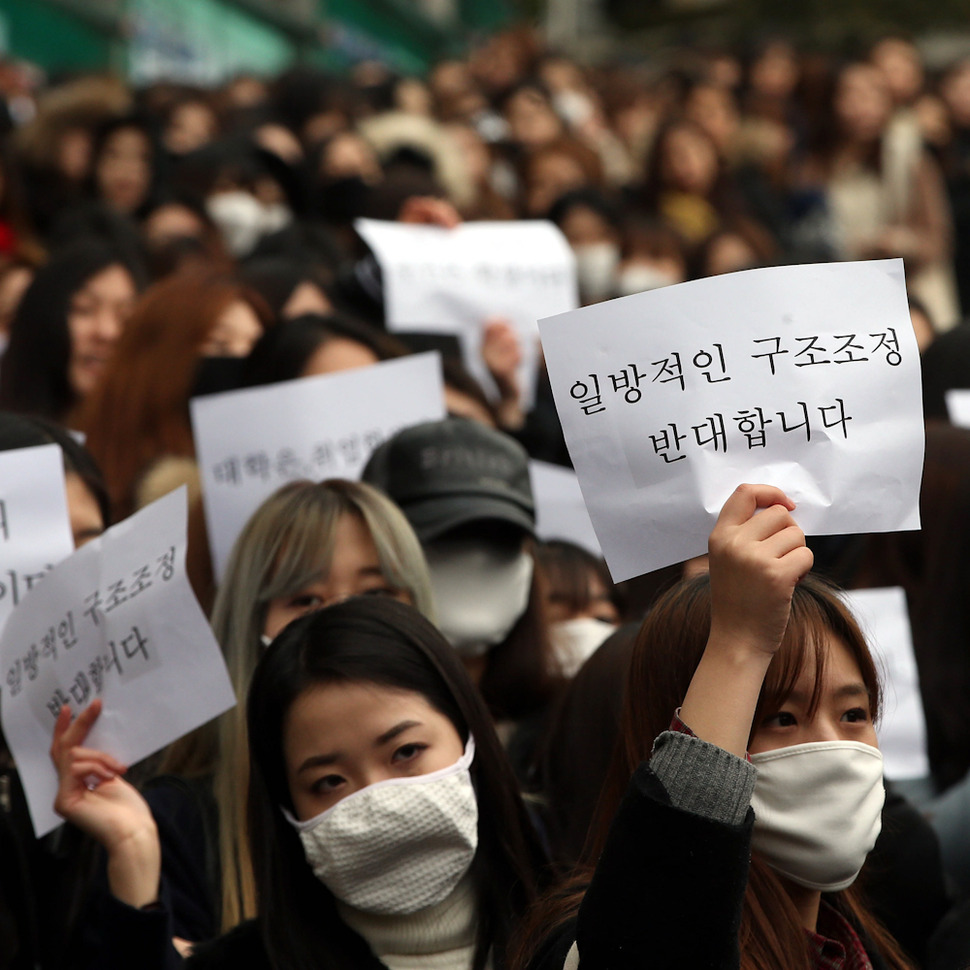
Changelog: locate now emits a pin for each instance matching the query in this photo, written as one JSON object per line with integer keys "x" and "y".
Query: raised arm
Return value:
{"x": 669, "y": 885}
{"x": 758, "y": 555}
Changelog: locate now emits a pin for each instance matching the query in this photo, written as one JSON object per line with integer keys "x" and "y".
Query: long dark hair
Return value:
{"x": 667, "y": 651}
{"x": 378, "y": 641}
{"x": 34, "y": 368}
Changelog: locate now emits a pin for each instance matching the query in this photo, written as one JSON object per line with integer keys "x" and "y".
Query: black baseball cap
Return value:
{"x": 446, "y": 474}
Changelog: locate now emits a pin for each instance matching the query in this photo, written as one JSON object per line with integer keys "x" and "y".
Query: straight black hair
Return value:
{"x": 378, "y": 641}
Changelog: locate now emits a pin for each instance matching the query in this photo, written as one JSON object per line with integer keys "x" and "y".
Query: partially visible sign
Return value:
{"x": 560, "y": 508}
{"x": 35, "y": 527}
{"x": 884, "y": 618}
{"x": 117, "y": 620}
{"x": 251, "y": 442}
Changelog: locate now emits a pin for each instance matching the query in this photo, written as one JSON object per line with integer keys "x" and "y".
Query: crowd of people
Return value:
{"x": 456, "y": 746}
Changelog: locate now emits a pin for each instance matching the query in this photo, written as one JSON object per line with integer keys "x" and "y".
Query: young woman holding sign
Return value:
{"x": 762, "y": 659}
{"x": 359, "y": 715}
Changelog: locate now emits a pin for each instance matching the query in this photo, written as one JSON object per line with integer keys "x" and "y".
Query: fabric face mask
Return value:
{"x": 242, "y": 219}
{"x": 818, "y": 810}
{"x": 576, "y": 640}
{"x": 397, "y": 846}
{"x": 638, "y": 279}
{"x": 480, "y": 591}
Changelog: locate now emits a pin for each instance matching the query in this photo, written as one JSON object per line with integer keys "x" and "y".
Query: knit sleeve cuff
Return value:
{"x": 702, "y": 778}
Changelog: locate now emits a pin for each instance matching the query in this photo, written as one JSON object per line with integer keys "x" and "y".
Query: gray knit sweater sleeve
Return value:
{"x": 702, "y": 778}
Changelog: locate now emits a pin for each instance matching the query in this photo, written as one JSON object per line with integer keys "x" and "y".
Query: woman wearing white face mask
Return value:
{"x": 385, "y": 824}
{"x": 766, "y": 660}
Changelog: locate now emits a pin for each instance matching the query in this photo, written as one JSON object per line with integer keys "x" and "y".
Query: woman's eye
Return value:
{"x": 379, "y": 591}
{"x": 781, "y": 719}
{"x": 857, "y": 714}
{"x": 408, "y": 752}
{"x": 306, "y": 601}
{"x": 327, "y": 784}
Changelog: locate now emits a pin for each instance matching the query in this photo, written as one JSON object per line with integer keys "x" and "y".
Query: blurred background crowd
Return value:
{"x": 177, "y": 229}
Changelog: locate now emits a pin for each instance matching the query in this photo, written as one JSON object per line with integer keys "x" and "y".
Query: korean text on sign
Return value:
{"x": 117, "y": 620}
{"x": 251, "y": 442}
{"x": 804, "y": 377}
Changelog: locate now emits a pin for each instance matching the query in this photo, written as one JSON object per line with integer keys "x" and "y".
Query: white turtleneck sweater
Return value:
{"x": 441, "y": 937}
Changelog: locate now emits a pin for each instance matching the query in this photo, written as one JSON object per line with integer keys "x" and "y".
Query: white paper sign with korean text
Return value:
{"x": 560, "y": 509}
{"x": 117, "y": 620}
{"x": 251, "y": 442}
{"x": 35, "y": 527}
{"x": 884, "y": 618}
{"x": 453, "y": 280}
{"x": 803, "y": 377}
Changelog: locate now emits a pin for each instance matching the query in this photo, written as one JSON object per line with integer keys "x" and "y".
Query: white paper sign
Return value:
{"x": 453, "y": 280}
{"x": 884, "y": 618}
{"x": 560, "y": 509}
{"x": 958, "y": 407}
{"x": 35, "y": 528}
{"x": 803, "y": 377}
{"x": 251, "y": 442}
{"x": 117, "y": 620}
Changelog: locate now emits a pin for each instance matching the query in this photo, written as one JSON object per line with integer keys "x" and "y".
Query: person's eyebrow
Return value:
{"x": 319, "y": 761}
{"x": 393, "y": 732}
{"x": 852, "y": 690}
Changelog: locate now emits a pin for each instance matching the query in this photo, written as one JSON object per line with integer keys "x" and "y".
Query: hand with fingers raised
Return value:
{"x": 93, "y": 795}
{"x": 757, "y": 555}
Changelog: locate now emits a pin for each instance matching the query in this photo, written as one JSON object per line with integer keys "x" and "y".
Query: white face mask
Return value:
{"x": 638, "y": 279}
{"x": 397, "y": 846}
{"x": 480, "y": 591}
{"x": 575, "y": 641}
{"x": 596, "y": 265}
{"x": 242, "y": 219}
{"x": 818, "y": 810}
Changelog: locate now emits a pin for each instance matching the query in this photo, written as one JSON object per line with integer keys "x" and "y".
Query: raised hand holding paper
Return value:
{"x": 802, "y": 377}
{"x": 251, "y": 442}
{"x": 117, "y": 620}
{"x": 453, "y": 280}
{"x": 35, "y": 528}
